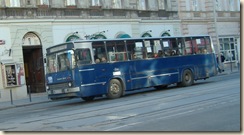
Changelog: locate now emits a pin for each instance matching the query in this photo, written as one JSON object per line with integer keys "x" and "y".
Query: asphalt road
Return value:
{"x": 208, "y": 105}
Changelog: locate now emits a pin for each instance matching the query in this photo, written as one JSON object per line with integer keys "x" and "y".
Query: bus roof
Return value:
{"x": 121, "y": 39}
{"x": 139, "y": 38}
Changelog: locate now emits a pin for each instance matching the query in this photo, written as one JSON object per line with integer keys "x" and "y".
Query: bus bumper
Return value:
{"x": 64, "y": 91}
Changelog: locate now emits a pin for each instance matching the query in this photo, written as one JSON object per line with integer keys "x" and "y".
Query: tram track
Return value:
{"x": 115, "y": 109}
{"x": 150, "y": 115}
{"x": 130, "y": 110}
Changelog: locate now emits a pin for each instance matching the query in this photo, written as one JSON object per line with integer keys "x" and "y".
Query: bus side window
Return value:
{"x": 116, "y": 51}
{"x": 199, "y": 45}
{"x": 99, "y": 52}
{"x": 173, "y": 45}
{"x": 188, "y": 46}
{"x": 130, "y": 45}
{"x": 166, "y": 48}
{"x": 84, "y": 56}
{"x": 180, "y": 50}
{"x": 208, "y": 48}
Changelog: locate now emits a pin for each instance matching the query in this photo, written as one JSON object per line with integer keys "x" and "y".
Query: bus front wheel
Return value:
{"x": 187, "y": 78}
{"x": 115, "y": 89}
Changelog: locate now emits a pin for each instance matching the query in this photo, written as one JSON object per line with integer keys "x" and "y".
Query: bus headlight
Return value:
{"x": 70, "y": 84}
{"x": 47, "y": 87}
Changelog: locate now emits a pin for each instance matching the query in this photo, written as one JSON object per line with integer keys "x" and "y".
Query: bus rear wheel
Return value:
{"x": 88, "y": 98}
{"x": 187, "y": 78}
{"x": 115, "y": 89}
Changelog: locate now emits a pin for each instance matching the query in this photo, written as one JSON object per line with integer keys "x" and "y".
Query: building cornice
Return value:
{"x": 56, "y": 21}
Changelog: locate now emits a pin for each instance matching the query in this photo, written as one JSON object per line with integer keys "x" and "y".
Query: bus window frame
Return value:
{"x": 116, "y": 52}
{"x": 78, "y": 56}
{"x": 71, "y": 61}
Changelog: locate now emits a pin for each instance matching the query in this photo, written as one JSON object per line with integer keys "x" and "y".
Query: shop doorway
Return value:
{"x": 33, "y": 63}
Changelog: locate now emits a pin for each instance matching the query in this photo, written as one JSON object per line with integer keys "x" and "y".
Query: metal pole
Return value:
{"x": 216, "y": 31}
{"x": 29, "y": 92}
{"x": 231, "y": 64}
{"x": 11, "y": 97}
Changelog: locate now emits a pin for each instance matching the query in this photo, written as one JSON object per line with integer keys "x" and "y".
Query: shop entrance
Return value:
{"x": 33, "y": 63}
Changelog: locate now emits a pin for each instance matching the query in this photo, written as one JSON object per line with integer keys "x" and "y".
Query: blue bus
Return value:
{"x": 92, "y": 68}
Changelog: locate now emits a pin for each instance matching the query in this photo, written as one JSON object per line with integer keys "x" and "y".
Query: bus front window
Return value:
{"x": 60, "y": 61}
{"x": 51, "y": 63}
{"x": 64, "y": 60}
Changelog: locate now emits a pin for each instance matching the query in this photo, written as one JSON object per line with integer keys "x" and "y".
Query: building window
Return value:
{"x": 227, "y": 47}
{"x": 44, "y": 2}
{"x": 162, "y": 4}
{"x": 234, "y": 5}
{"x": 72, "y": 38}
{"x": 96, "y": 3}
{"x": 142, "y": 5}
{"x": 218, "y": 5}
{"x": 28, "y": 2}
{"x": 194, "y": 5}
{"x": 117, "y": 4}
{"x": 146, "y": 35}
{"x": 70, "y": 2}
{"x": 14, "y": 3}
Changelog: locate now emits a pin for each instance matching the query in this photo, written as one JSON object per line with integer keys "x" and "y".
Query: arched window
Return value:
{"x": 98, "y": 36}
{"x": 123, "y": 36}
{"x": 146, "y": 35}
{"x": 31, "y": 39}
{"x": 165, "y": 34}
{"x": 72, "y": 38}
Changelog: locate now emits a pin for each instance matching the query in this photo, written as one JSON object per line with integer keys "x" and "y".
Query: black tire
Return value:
{"x": 187, "y": 78}
{"x": 115, "y": 89}
{"x": 88, "y": 98}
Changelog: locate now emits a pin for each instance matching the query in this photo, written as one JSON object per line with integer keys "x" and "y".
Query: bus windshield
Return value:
{"x": 60, "y": 61}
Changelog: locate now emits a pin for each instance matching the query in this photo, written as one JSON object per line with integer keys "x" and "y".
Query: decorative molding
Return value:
{"x": 43, "y": 6}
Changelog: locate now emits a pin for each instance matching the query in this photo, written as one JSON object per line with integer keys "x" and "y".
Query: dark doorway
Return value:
{"x": 34, "y": 68}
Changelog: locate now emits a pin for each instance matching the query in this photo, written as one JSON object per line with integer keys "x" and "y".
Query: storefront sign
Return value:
{"x": 2, "y": 42}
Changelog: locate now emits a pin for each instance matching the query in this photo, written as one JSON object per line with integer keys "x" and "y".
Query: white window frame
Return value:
{"x": 44, "y": 2}
{"x": 14, "y": 3}
{"x": 96, "y": 3}
{"x": 218, "y": 5}
{"x": 70, "y": 2}
{"x": 232, "y": 5}
{"x": 228, "y": 48}
{"x": 117, "y": 4}
{"x": 194, "y": 5}
{"x": 142, "y": 5}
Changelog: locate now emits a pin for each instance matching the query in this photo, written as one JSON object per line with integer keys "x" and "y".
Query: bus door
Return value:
{"x": 93, "y": 68}
{"x": 86, "y": 71}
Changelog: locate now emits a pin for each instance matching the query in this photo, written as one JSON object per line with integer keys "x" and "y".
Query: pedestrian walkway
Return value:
{"x": 35, "y": 98}
{"x": 43, "y": 98}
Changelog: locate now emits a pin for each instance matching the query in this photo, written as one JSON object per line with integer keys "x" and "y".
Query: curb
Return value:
{"x": 21, "y": 105}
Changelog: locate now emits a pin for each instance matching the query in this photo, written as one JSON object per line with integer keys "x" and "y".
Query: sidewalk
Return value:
{"x": 36, "y": 98}
{"x": 43, "y": 98}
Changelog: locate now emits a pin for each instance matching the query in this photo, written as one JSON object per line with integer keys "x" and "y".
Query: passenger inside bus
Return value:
{"x": 160, "y": 53}
{"x": 97, "y": 60}
{"x": 103, "y": 60}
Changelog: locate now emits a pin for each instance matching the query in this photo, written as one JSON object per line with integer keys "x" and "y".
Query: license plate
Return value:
{"x": 57, "y": 91}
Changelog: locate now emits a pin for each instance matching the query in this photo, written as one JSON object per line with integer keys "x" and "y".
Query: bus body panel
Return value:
{"x": 93, "y": 79}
